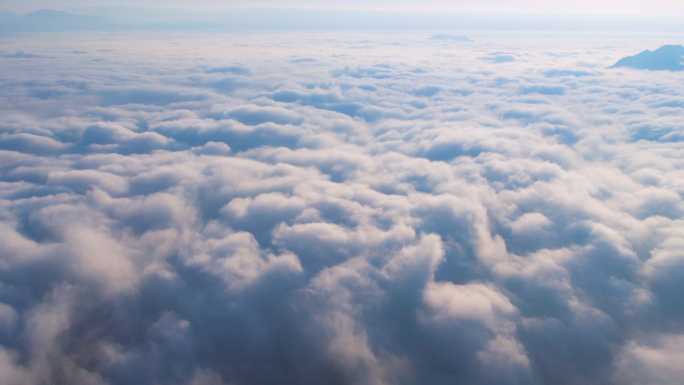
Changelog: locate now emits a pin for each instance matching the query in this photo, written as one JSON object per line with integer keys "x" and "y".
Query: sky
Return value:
{"x": 612, "y": 6}
{"x": 348, "y": 207}
{"x": 605, "y": 15}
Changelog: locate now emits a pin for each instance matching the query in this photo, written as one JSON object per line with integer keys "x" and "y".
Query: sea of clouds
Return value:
{"x": 338, "y": 209}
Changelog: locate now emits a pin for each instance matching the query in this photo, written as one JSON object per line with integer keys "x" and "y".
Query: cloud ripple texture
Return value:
{"x": 338, "y": 209}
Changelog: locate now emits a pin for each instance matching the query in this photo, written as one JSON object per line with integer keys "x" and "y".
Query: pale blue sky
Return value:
{"x": 535, "y": 15}
{"x": 652, "y": 6}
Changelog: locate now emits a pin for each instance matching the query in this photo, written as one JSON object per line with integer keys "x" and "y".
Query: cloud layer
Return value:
{"x": 344, "y": 209}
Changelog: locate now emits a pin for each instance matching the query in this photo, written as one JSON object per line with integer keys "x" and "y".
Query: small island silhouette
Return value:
{"x": 451, "y": 37}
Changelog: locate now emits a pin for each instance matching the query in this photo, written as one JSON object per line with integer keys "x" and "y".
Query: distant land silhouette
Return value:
{"x": 451, "y": 37}
{"x": 56, "y": 21}
{"x": 665, "y": 58}
{"x": 6, "y": 16}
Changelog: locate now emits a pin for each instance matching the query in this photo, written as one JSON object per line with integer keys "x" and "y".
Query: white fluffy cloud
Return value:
{"x": 352, "y": 209}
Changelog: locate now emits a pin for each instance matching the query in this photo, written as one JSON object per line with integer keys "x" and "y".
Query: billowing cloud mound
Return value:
{"x": 356, "y": 209}
{"x": 668, "y": 57}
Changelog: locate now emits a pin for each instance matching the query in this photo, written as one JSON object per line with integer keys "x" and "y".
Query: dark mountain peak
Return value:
{"x": 665, "y": 58}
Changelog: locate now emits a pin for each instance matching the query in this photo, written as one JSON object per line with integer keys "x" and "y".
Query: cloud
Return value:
{"x": 259, "y": 209}
{"x": 543, "y": 89}
{"x": 552, "y": 73}
{"x": 655, "y": 362}
{"x": 495, "y": 57}
{"x": 19, "y": 55}
{"x": 231, "y": 69}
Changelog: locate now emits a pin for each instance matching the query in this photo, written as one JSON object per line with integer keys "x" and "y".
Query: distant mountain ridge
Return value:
{"x": 451, "y": 37}
{"x": 665, "y": 58}
{"x": 56, "y": 21}
{"x": 7, "y": 16}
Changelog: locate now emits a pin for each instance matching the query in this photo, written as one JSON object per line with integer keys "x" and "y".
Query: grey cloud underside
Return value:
{"x": 260, "y": 209}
